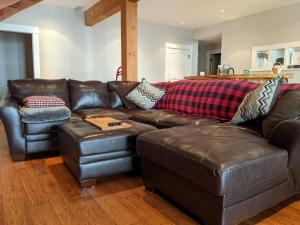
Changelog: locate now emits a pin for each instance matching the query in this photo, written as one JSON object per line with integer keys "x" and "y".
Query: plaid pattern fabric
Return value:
{"x": 214, "y": 98}
{"x": 162, "y": 103}
{"x": 287, "y": 88}
{"x": 42, "y": 101}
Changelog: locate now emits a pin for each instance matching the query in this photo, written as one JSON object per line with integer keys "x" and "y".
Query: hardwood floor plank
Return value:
{"x": 92, "y": 213}
{"x": 67, "y": 214}
{"x": 16, "y": 208}
{"x": 44, "y": 215}
{"x": 117, "y": 211}
{"x": 32, "y": 187}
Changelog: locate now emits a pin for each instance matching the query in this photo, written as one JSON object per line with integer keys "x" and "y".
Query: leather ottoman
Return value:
{"x": 221, "y": 173}
{"x": 90, "y": 153}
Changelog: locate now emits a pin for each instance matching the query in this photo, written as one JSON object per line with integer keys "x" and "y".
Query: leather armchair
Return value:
{"x": 287, "y": 136}
{"x": 9, "y": 112}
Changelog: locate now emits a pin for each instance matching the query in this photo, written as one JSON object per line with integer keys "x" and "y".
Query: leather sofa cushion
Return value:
{"x": 122, "y": 88}
{"x": 115, "y": 100}
{"x": 167, "y": 119}
{"x": 218, "y": 158}
{"x": 100, "y": 112}
{"x": 42, "y": 146}
{"x": 89, "y": 140}
{"x": 19, "y": 89}
{"x": 88, "y": 95}
{"x": 40, "y": 137}
{"x": 42, "y": 128}
{"x": 285, "y": 109}
{"x": 45, "y": 115}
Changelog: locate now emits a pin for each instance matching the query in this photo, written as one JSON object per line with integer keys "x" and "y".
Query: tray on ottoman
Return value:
{"x": 91, "y": 153}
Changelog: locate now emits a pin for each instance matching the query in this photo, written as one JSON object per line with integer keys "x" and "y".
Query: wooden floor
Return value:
{"x": 43, "y": 192}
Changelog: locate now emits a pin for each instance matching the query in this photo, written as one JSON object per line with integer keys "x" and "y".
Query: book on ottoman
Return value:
{"x": 108, "y": 124}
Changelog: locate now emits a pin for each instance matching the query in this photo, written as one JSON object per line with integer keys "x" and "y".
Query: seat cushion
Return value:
{"x": 19, "y": 89}
{"x": 88, "y": 94}
{"x": 45, "y": 115}
{"x": 101, "y": 112}
{"x": 218, "y": 158}
{"x": 167, "y": 119}
{"x": 42, "y": 128}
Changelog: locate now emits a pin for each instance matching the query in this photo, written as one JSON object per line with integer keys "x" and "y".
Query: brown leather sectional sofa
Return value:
{"x": 222, "y": 173}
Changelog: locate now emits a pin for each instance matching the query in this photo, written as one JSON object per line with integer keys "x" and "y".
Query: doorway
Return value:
{"x": 179, "y": 60}
{"x": 213, "y": 60}
{"x": 19, "y": 53}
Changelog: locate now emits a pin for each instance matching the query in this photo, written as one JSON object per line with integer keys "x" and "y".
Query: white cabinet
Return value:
{"x": 264, "y": 57}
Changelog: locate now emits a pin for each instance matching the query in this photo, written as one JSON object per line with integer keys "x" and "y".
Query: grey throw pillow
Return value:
{"x": 44, "y": 115}
{"x": 259, "y": 102}
{"x": 145, "y": 95}
{"x": 285, "y": 109}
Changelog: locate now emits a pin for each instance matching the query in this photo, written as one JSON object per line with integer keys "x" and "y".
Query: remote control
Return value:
{"x": 114, "y": 124}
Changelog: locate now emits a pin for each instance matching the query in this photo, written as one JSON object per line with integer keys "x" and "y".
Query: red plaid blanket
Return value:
{"x": 42, "y": 101}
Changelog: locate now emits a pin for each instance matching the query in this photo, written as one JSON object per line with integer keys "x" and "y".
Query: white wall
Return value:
{"x": 239, "y": 36}
{"x": 72, "y": 50}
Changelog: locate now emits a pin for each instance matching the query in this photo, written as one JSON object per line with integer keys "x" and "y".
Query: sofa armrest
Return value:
{"x": 286, "y": 135}
{"x": 9, "y": 113}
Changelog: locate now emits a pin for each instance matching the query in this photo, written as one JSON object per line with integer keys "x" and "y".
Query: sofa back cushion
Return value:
{"x": 162, "y": 103}
{"x": 214, "y": 98}
{"x": 88, "y": 95}
{"x": 20, "y": 89}
{"x": 122, "y": 88}
{"x": 286, "y": 108}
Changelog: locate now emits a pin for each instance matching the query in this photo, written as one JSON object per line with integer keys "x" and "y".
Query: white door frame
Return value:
{"x": 208, "y": 54}
{"x": 34, "y": 31}
{"x": 178, "y": 46}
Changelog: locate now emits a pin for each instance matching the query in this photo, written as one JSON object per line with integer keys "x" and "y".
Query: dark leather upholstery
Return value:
{"x": 42, "y": 128}
{"x": 100, "y": 112}
{"x": 166, "y": 119}
{"x": 19, "y": 89}
{"x": 88, "y": 95}
{"x": 91, "y": 153}
{"x": 217, "y": 154}
{"x": 9, "y": 112}
{"x": 217, "y": 171}
{"x": 122, "y": 88}
{"x": 115, "y": 100}
{"x": 286, "y": 135}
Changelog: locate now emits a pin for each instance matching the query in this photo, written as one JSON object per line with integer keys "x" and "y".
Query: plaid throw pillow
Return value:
{"x": 162, "y": 103}
{"x": 218, "y": 99}
{"x": 42, "y": 101}
{"x": 259, "y": 102}
{"x": 145, "y": 95}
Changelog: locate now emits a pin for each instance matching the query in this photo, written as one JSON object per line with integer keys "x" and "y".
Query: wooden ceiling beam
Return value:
{"x": 16, "y": 7}
{"x": 102, "y": 10}
{"x": 6, "y": 3}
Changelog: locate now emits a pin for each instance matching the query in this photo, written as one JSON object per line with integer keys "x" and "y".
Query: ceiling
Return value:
{"x": 190, "y": 14}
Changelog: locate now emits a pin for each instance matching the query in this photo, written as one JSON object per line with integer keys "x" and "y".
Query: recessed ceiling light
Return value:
{"x": 181, "y": 23}
{"x": 222, "y": 10}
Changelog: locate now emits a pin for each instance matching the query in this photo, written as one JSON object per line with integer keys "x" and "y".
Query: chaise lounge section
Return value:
{"x": 222, "y": 173}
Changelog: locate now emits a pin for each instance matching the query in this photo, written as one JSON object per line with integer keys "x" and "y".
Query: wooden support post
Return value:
{"x": 129, "y": 39}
